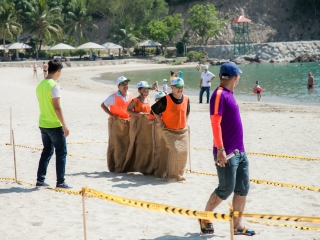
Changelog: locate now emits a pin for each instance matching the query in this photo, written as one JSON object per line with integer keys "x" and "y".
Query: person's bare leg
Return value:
{"x": 212, "y": 203}
{"x": 239, "y": 202}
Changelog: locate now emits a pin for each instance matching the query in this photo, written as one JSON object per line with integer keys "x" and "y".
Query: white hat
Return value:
{"x": 177, "y": 82}
{"x": 143, "y": 84}
{"x": 159, "y": 95}
{"x": 205, "y": 67}
{"x": 164, "y": 80}
{"x": 122, "y": 79}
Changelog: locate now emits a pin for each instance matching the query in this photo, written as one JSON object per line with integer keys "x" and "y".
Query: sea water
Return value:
{"x": 281, "y": 82}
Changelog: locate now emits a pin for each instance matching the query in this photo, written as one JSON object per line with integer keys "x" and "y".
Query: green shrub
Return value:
{"x": 194, "y": 56}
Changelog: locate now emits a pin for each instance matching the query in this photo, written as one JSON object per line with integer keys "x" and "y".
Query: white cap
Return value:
{"x": 122, "y": 79}
{"x": 143, "y": 84}
{"x": 205, "y": 67}
{"x": 177, "y": 82}
{"x": 159, "y": 95}
{"x": 164, "y": 80}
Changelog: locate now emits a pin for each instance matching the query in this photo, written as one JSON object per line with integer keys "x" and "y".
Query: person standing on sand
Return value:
{"x": 35, "y": 70}
{"x": 205, "y": 83}
{"x": 172, "y": 113}
{"x": 139, "y": 154}
{"x": 118, "y": 124}
{"x": 45, "y": 69}
{"x": 227, "y": 130}
{"x": 52, "y": 126}
{"x": 310, "y": 81}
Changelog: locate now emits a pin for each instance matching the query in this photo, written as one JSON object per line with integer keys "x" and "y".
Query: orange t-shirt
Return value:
{"x": 120, "y": 107}
{"x": 175, "y": 115}
{"x": 142, "y": 107}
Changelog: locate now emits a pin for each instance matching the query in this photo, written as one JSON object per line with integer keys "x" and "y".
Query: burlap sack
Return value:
{"x": 139, "y": 155}
{"x": 160, "y": 152}
{"x": 177, "y": 142}
{"x": 118, "y": 143}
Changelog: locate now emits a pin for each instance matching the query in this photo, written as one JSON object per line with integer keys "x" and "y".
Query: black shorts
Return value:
{"x": 258, "y": 92}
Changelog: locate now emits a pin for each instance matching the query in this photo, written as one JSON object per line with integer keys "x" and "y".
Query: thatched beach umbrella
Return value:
{"x": 61, "y": 46}
{"x": 90, "y": 46}
{"x": 17, "y": 46}
{"x": 148, "y": 43}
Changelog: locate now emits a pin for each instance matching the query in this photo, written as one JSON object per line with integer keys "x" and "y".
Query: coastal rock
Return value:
{"x": 306, "y": 58}
{"x": 252, "y": 59}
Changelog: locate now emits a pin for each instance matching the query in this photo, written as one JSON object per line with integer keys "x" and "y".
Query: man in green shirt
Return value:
{"x": 52, "y": 126}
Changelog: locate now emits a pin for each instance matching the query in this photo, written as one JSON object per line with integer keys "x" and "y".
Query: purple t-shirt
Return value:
{"x": 222, "y": 102}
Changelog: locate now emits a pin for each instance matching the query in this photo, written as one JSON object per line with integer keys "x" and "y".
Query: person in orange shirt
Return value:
{"x": 139, "y": 155}
{"x": 174, "y": 109}
{"x": 118, "y": 124}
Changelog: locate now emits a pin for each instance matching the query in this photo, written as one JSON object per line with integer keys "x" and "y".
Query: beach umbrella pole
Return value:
{"x": 10, "y": 125}
{"x": 17, "y": 54}
{"x": 14, "y": 158}
{"x": 84, "y": 214}
{"x": 61, "y": 54}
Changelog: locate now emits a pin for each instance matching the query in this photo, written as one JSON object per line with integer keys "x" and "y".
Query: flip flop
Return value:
{"x": 244, "y": 231}
{"x": 205, "y": 228}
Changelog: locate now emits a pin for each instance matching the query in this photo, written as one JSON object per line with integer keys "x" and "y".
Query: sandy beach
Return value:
{"x": 29, "y": 213}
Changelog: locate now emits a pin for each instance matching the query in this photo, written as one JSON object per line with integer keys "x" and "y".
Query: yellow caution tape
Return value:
{"x": 69, "y": 154}
{"x": 280, "y": 184}
{"x": 271, "y": 155}
{"x": 159, "y": 207}
{"x": 309, "y": 219}
{"x": 7, "y": 179}
{"x": 285, "y": 225}
{"x": 183, "y": 211}
{"x": 283, "y": 156}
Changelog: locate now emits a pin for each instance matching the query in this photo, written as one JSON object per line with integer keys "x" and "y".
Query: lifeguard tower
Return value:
{"x": 241, "y": 36}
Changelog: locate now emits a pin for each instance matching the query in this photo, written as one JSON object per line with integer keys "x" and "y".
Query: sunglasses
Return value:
{"x": 124, "y": 84}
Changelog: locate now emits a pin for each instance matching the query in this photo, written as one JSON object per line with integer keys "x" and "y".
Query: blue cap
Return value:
{"x": 229, "y": 70}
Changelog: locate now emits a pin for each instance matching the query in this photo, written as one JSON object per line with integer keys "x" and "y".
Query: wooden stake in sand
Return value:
{"x": 14, "y": 157}
{"x": 84, "y": 214}
{"x": 189, "y": 149}
{"x": 10, "y": 125}
{"x": 231, "y": 222}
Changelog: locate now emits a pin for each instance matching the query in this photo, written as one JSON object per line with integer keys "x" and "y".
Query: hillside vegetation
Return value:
{"x": 170, "y": 22}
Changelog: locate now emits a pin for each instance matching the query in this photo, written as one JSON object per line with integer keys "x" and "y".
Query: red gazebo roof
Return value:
{"x": 241, "y": 19}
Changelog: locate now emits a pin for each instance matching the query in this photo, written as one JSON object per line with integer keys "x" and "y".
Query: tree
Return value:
{"x": 79, "y": 20}
{"x": 8, "y": 22}
{"x": 165, "y": 30}
{"x": 44, "y": 22}
{"x": 125, "y": 37}
{"x": 204, "y": 22}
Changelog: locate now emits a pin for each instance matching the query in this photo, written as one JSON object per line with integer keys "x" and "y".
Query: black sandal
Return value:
{"x": 206, "y": 228}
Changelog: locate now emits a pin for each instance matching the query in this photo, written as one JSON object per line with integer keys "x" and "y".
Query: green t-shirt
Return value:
{"x": 48, "y": 117}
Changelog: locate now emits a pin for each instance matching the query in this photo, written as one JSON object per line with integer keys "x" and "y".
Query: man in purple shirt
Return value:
{"x": 227, "y": 130}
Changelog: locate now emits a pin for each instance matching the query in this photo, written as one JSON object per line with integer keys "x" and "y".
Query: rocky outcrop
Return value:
{"x": 306, "y": 58}
{"x": 265, "y": 52}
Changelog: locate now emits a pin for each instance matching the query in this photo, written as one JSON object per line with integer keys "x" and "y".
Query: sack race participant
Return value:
{"x": 139, "y": 155}
{"x": 118, "y": 124}
{"x": 160, "y": 151}
{"x": 175, "y": 109}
